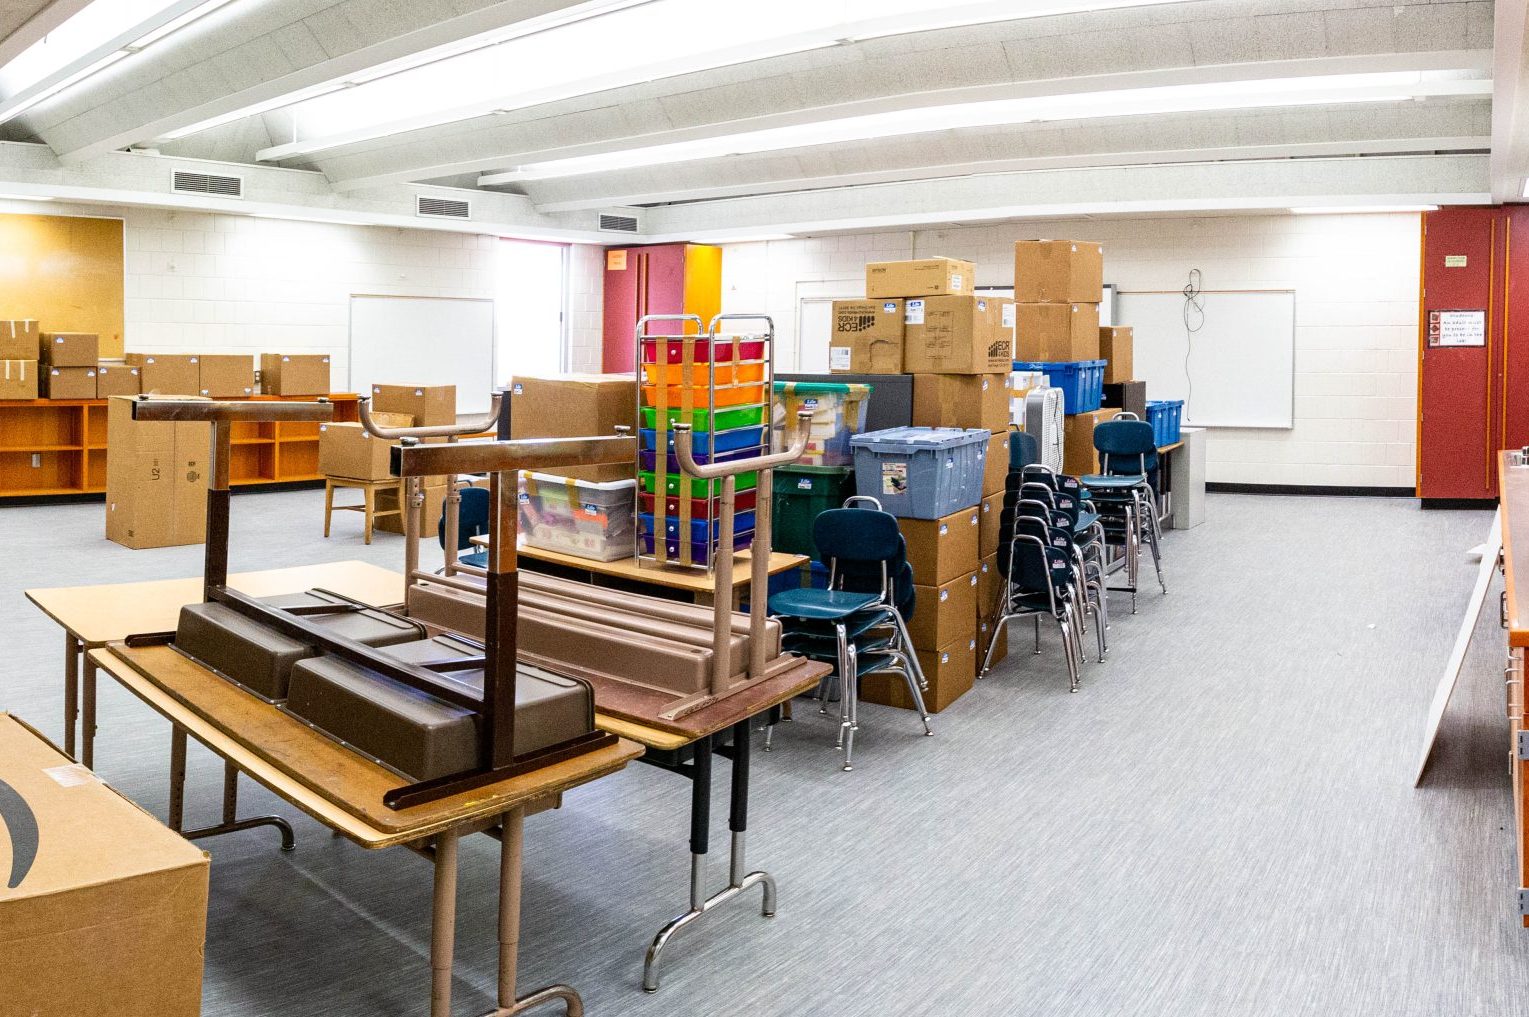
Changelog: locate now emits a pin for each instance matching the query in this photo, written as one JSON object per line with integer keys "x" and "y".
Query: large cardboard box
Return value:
{"x": 167, "y": 373}
{"x": 435, "y": 501}
{"x": 1127, "y": 397}
{"x": 866, "y": 337}
{"x": 70, "y": 349}
{"x": 988, "y": 528}
{"x": 942, "y": 549}
{"x": 958, "y": 335}
{"x": 1058, "y": 271}
{"x": 294, "y": 374}
{"x": 156, "y": 479}
{"x": 19, "y": 340}
{"x": 114, "y": 379}
{"x": 1115, "y": 346}
{"x": 429, "y": 405}
{"x": 346, "y": 450}
{"x": 989, "y": 587}
{"x": 105, "y": 909}
{"x": 70, "y": 382}
{"x": 576, "y": 406}
{"x": 961, "y": 400}
{"x": 1052, "y": 332}
{"x": 226, "y": 375}
{"x": 944, "y": 613}
{"x": 18, "y": 379}
{"x": 924, "y": 277}
{"x": 995, "y": 465}
{"x": 951, "y": 671}
{"x": 1078, "y": 455}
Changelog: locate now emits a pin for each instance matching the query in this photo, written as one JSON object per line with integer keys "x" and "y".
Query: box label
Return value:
{"x": 956, "y": 282}
{"x": 914, "y": 315}
{"x": 804, "y": 484}
{"x": 1008, "y": 315}
{"x": 890, "y": 307}
{"x": 894, "y": 478}
{"x": 838, "y": 358}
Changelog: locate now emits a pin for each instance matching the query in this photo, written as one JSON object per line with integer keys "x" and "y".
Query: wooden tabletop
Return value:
{"x": 674, "y": 577}
{"x": 1165, "y": 449}
{"x": 97, "y": 615}
{"x": 330, "y": 782}
{"x": 1513, "y": 487}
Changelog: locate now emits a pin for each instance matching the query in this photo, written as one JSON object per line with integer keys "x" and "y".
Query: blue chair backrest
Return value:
{"x": 1126, "y": 447}
{"x": 472, "y": 518}
{"x": 861, "y": 535}
{"x": 1024, "y": 450}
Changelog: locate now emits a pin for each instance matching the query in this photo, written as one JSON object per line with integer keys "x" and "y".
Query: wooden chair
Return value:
{"x": 369, "y": 489}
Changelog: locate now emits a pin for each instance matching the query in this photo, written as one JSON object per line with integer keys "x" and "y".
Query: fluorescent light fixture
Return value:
{"x": 176, "y": 24}
{"x": 1390, "y": 86}
{"x": 1361, "y": 209}
{"x": 14, "y": 108}
{"x": 26, "y": 197}
{"x": 634, "y": 45}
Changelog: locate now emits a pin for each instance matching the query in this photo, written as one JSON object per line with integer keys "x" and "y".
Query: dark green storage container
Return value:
{"x": 801, "y": 492}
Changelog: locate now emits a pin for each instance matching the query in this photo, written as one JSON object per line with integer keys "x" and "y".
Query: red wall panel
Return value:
{"x": 1511, "y": 374}
{"x": 652, "y": 281}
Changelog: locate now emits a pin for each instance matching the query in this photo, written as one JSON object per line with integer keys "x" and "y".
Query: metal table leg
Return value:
{"x": 230, "y": 824}
{"x": 88, "y": 715}
{"x": 700, "y": 814}
{"x": 510, "y": 839}
{"x": 443, "y": 923}
{"x": 72, "y": 650}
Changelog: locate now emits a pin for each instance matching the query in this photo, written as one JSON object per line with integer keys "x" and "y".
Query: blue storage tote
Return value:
{"x": 701, "y": 442}
{"x": 921, "y": 472}
{"x": 1164, "y": 416}
{"x": 1081, "y": 381}
{"x": 700, "y": 529}
{"x": 700, "y": 553}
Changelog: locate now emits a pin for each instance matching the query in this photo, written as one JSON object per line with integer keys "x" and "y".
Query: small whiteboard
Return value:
{"x": 1237, "y": 370}
{"x": 424, "y": 341}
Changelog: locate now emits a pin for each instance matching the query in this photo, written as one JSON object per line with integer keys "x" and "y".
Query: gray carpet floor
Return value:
{"x": 1220, "y": 823}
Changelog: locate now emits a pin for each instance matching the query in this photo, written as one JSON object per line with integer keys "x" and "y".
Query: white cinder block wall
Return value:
{"x": 1356, "y": 284}
{"x": 199, "y": 282}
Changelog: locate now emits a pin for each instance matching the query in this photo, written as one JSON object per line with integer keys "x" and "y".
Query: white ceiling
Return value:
{"x": 714, "y": 119}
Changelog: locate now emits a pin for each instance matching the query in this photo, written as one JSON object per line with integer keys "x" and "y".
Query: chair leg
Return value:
{"x": 918, "y": 700}
{"x": 1037, "y": 635}
{"x": 909, "y": 652}
{"x": 369, "y": 508}
{"x": 1098, "y": 630}
{"x": 328, "y": 504}
{"x": 1154, "y": 534}
{"x": 844, "y": 669}
{"x": 1067, "y": 651}
{"x": 992, "y": 644}
{"x": 847, "y": 684}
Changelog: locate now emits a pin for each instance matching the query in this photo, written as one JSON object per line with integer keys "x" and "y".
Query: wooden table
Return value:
{"x": 93, "y": 616}
{"x": 343, "y": 790}
{"x": 697, "y": 585}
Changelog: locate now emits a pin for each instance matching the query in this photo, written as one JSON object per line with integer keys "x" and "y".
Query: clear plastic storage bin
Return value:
{"x": 838, "y": 413}
{"x": 577, "y": 517}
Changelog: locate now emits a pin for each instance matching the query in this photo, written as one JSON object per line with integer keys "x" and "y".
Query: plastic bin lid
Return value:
{"x": 823, "y": 388}
{"x": 554, "y": 479}
{"x": 1170, "y": 403}
{"x": 918, "y": 439}
{"x": 1043, "y": 365}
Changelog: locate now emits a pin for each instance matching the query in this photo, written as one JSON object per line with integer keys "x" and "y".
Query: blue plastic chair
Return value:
{"x": 472, "y": 521}
{"x": 1125, "y": 493}
{"x": 1040, "y": 580}
{"x": 855, "y": 624}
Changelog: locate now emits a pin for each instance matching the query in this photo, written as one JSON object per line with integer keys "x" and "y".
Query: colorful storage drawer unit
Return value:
{"x": 577, "y": 517}
{"x": 838, "y": 413}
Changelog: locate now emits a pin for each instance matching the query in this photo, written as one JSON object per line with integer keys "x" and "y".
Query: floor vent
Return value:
{"x": 217, "y": 184}
{"x": 442, "y": 208}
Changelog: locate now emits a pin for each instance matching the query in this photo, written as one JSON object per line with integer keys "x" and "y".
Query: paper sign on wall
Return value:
{"x": 1457, "y": 328}
{"x": 1454, "y": 261}
{"x": 615, "y": 261}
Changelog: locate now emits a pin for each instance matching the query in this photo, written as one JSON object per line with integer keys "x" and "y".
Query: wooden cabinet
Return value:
{"x": 58, "y": 447}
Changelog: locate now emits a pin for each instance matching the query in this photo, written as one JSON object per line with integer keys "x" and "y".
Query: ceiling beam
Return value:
{"x": 1510, "y": 100}
{"x": 34, "y": 28}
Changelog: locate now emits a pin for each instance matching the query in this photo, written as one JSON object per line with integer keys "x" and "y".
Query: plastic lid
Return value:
{"x": 918, "y": 439}
{"x": 823, "y": 388}
{"x": 1042, "y": 365}
{"x": 553, "y": 479}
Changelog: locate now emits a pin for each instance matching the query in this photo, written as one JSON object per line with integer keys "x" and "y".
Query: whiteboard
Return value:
{"x": 1237, "y": 370}
{"x": 424, "y": 341}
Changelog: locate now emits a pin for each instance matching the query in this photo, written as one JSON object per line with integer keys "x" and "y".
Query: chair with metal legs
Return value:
{"x": 1124, "y": 492}
{"x": 1087, "y": 552}
{"x": 855, "y": 624}
{"x": 1037, "y": 566}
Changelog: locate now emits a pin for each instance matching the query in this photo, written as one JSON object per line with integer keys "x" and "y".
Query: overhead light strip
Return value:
{"x": 1361, "y": 209}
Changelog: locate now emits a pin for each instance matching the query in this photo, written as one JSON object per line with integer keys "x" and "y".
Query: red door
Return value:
{"x": 1511, "y": 369}
{"x": 640, "y": 281}
{"x": 1458, "y": 423}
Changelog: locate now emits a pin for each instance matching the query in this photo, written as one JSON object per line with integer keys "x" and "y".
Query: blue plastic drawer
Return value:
{"x": 1081, "y": 381}
{"x": 702, "y": 443}
{"x": 647, "y": 459}
{"x": 700, "y": 553}
{"x": 700, "y": 529}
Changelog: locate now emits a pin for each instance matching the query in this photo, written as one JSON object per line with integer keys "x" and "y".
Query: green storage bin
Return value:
{"x": 698, "y": 487}
{"x": 801, "y": 493}
{"x": 727, "y": 419}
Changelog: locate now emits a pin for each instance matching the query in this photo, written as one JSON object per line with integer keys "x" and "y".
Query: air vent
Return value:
{"x": 207, "y": 183}
{"x": 618, "y": 223}
{"x": 442, "y": 208}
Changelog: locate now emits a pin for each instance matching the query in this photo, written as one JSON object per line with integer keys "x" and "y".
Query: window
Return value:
{"x": 529, "y": 302}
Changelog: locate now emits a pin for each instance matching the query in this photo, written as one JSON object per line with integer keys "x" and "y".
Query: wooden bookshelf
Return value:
{"x": 58, "y": 446}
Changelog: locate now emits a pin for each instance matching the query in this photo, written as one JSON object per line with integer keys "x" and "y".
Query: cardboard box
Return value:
{"x": 294, "y": 374}
{"x": 156, "y": 479}
{"x": 942, "y": 549}
{"x": 1078, "y": 455}
{"x": 70, "y": 382}
{"x": 989, "y": 588}
{"x": 226, "y": 376}
{"x": 346, "y": 450}
{"x": 958, "y": 335}
{"x": 114, "y": 379}
{"x": 1058, "y": 271}
{"x": 866, "y": 337}
{"x": 944, "y": 613}
{"x": 18, "y": 379}
{"x": 429, "y": 405}
{"x": 961, "y": 400}
{"x": 576, "y": 406}
{"x": 167, "y": 373}
{"x": 1127, "y": 396}
{"x": 70, "y": 349}
{"x": 925, "y": 277}
{"x": 1115, "y": 346}
{"x": 109, "y": 916}
{"x": 995, "y": 465}
{"x": 1051, "y": 332}
{"x": 20, "y": 340}
{"x": 435, "y": 501}
{"x": 1000, "y": 652}
{"x": 987, "y": 529}
{"x": 951, "y": 671}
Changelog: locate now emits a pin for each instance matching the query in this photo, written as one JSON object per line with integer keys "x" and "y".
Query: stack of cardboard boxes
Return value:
{"x": 19, "y": 342}
{"x": 1059, "y": 284}
{"x": 576, "y": 406}
{"x": 424, "y": 406}
{"x": 68, "y": 365}
{"x": 923, "y": 318}
{"x": 1121, "y": 391}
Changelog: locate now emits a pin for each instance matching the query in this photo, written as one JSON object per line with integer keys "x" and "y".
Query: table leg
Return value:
{"x": 177, "y": 777}
{"x": 510, "y": 840}
{"x": 443, "y": 923}
{"x": 230, "y": 823}
{"x": 738, "y": 823}
{"x": 88, "y": 714}
{"x": 72, "y": 651}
